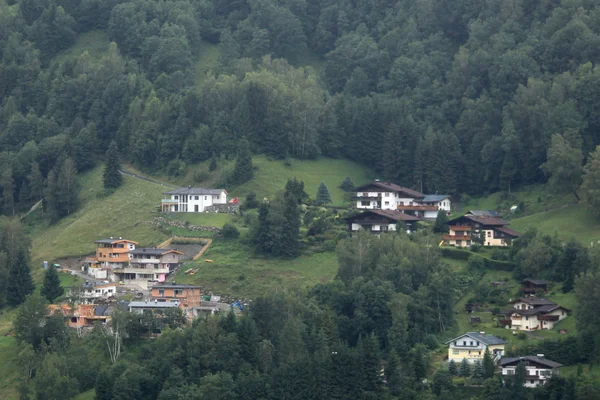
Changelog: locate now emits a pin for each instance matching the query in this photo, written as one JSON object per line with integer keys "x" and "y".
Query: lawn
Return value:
{"x": 234, "y": 270}
{"x": 203, "y": 219}
{"x": 95, "y": 42}
{"x": 574, "y": 221}
{"x": 125, "y": 213}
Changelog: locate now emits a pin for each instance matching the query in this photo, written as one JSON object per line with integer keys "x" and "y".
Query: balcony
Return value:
{"x": 130, "y": 270}
{"x": 145, "y": 260}
{"x": 169, "y": 201}
{"x": 457, "y": 237}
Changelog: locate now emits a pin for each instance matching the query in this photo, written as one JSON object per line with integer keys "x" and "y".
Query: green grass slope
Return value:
{"x": 125, "y": 213}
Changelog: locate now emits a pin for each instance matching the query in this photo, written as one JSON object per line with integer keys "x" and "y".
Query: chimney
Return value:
{"x": 540, "y": 355}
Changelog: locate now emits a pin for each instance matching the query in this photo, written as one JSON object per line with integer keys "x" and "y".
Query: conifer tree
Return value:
{"x": 441, "y": 222}
{"x": 36, "y": 182}
{"x": 465, "y": 369}
{"x": 242, "y": 171}
{"x": 290, "y": 245}
{"x": 111, "y": 177}
{"x": 370, "y": 363}
{"x": 68, "y": 189}
{"x": 213, "y": 163}
{"x": 488, "y": 364}
{"x": 478, "y": 371}
{"x": 323, "y": 196}
{"x": 8, "y": 192}
{"x": 347, "y": 185}
{"x": 262, "y": 233}
{"x": 452, "y": 368}
{"x": 20, "y": 283}
{"x": 52, "y": 289}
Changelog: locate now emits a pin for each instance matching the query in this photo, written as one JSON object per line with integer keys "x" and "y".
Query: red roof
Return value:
{"x": 392, "y": 187}
{"x": 489, "y": 221}
{"x": 391, "y": 214}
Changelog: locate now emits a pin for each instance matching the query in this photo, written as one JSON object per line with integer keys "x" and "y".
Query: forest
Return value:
{"x": 446, "y": 96}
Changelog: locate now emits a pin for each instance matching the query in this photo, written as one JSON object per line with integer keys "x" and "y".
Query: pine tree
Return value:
{"x": 452, "y": 368}
{"x": 465, "y": 368}
{"x": 104, "y": 385}
{"x": 441, "y": 222}
{"x": 213, "y": 163}
{"x": 370, "y": 363}
{"x": 347, "y": 185}
{"x": 290, "y": 245}
{"x": 243, "y": 171}
{"x": 111, "y": 177}
{"x": 36, "y": 182}
{"x": 323, "y": 196}
{"x": 68, "y": 189}
{"x": 52, "y": 288}
{"x": 488, "y": 364}
{"x": 591, "y": 182}
{"x": 8, "y": 192}
{"x": 478, "y": 371}
{"x": 262, "y": 233}
{"x": 20, "y": 283}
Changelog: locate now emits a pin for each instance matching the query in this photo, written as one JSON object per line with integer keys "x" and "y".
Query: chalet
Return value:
{"x": 537, "y": 369}
{"x": 192, "y": 199}
{"x": 111, "y": 253}
{"x": 147, "y": 265}
{"x": 532, "y": 313}
{"x": 378, "y": 221}
{"x": 531, "y": 286}
{"x": 471, "y": 346}
{"x": 187, "y": 295}
{"x": 484, "y": 226}
{"x": 389, "y": 196}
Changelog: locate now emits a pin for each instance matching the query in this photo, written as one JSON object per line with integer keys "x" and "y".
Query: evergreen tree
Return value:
{"x": 103, "y": 386}
{"x": 262, "y": 233}
{"x": 441, "y": 222}
{"x": 213, "y": 163}
{"x": 20, "y": 283}
{"x": 111, "y": 177}
{"x": 452, "y": 368}
{"x": 36, "y": 182}
{"x": 590, "y": 186}
{"x": 52, "y": 288}
{"x": 68, "y": 189}
{"x": 323, "y": 196}
{"x": 295, "y": 188}
{"x": 290, "y": 244}
{"x": 488, "y": 365}
{"x": 370, "y": 363}
{"x": 8, "y": 192}
{"x": 243, "y": 171}
{"x": 478, "y": 370}
{"x": 347, "y": 185}
{"x": 465, "y": 369}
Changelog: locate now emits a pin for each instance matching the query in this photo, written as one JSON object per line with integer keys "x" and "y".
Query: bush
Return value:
{"x": 499, "y": 265}
{"x": 475, "y": 248}
{"x": 176, "y": 167}
{"x": 455, "y": 254}
{"x": 229, "y": 231}
{"x": 476, "y": 263}
{"x": 251, "y": 201}
{"x": 431, "y": 342}
{"x": 521, "y": 336}
{"x": 200, "y": 176}
{"x": 250, "y": 218}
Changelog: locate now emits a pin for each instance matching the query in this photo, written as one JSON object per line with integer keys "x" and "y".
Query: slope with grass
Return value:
{"x": 125, "y": 213}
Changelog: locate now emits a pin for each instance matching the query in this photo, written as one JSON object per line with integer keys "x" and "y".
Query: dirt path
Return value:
{"x": 143, "y": 178}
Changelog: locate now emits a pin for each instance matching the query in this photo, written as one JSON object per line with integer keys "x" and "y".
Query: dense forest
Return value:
{"x": 446, "y": 96}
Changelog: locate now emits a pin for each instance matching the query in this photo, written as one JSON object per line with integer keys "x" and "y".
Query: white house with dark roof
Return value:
{"x": 532, "y": 313}
{"x": 538, "y": 369}
{"x": 191, "y": 199}
{"x": 471, "y": 346}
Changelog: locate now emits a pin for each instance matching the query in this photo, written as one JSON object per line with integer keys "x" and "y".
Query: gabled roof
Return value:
{"x": 534, "y": 359}
{"x": 538, "y": 282}
{"x": 534, "y": 301}
{"x": 482, "y": 213}
{"x": 487, "y": 339}
{"x": 433, "y": 198}
{"x": 154, "y": 252}
{"x": 154, "y": 304}
{"x": 488, "y": 221}
{"x": 196, "y": 191}
{"x": 174, "y": 286}
{"x": 390, "y": 214}
{"x": 508, "y": 231}
{"x": 114, "y": 240}
{"x": 392, "y": 187}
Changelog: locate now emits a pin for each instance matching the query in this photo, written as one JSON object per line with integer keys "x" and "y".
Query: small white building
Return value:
{"x": 537, "y": 369}
{"x": 192, "y": 199}
{"x": 532, "y": 313}
{"x": 94, "y": 290}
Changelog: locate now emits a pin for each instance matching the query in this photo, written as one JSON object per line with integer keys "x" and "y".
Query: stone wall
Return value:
{"x": 222, "y": 208}
{"x": 161, "y": 221}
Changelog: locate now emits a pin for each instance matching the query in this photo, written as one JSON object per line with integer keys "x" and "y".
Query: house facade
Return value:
{"x": 97, "y": 290}
{"x": 471, "y": 346}
{"x": 537, "y": 369}
{"x": 187, "y": 295}
{"x": 147, "y": 265}
{"x": 153, "y": 306}
{"x": 531, "y": 286}
{"x": 192, "y": 199}
{"x": 389, "y": 196}
{"x": 379, "y": 221}
{"x": 111, "y": 253}
{"x": 532, "y": 313}
{"x": 488, "y": 230}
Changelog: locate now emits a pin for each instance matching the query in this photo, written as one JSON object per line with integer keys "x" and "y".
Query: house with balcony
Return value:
{"x": 111, "y": 253}
{"x": 533, "y": 313}
{"x": 471, "y": 346}
{"x": 147, "y": 265}
{"x": 379, "y": 221}
{"x": 94, "y": 290}
{"x": 538, "y": 369}
{"x": 485, "y": 228}
{"x": 152, "y": 306}
{"x": 188, "y": 295}
{"x": 191, "y": 199}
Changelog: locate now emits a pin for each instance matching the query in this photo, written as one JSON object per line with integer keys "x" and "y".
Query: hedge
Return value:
{"x": 459, "y": 254}
{"x": 456, "y": 254}
{"x": 499, "y": 265}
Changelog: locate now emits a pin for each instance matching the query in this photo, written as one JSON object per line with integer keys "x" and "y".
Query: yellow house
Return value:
{"x": 472, "y": 346}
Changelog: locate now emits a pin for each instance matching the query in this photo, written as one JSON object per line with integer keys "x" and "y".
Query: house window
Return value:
{"x": 387, "y": 195}
{"x": 471, "y": 343}
{"x": 175, "y": 197}
{"x": 455, "y": 352}
{"x": 196, "y": 197}
{"x": 178, "y": 291}
{"x": 365, "y": 203}
{"x": 531, "y": 381}
{"x": 205, "y": 197}
{"x": 489, "y": 234}
{"x": 387, "y": 203}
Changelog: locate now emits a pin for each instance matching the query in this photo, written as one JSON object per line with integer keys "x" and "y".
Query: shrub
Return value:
{"x": 251, "y": 201}
{"x": 455, "y": 254}
{"x": 250, "y": 218}
{"x": 229, "y": 231}
{"x": 200, "y": 176}
{"x": 475, "y": 248}
{"x": 476, "y": 263}
{"x": 521, "y": 336}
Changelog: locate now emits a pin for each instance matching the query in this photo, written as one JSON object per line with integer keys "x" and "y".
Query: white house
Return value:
{"x": 532, "y": 313}
{"x": 537, "y": 369}
{"x": 91, "y": 291}
{"x": 471, "y": 346}
{"x": 192, "y": 199}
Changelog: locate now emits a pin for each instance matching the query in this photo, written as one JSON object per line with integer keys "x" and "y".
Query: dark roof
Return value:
{"x": 174, "y": 286}
{"x": 195, "y": 191}
{"x": 390, "y": 214}
{"x": 487, "y": 339}
{"x": 534, "y": 301}
{"x": 432, "y": 198}
{"x": 489, "y": 221}
{"x": 483, "y": 213}
{"x": 534, "y": 359}
{"x": 114, "y": 240}
{"x": 540, "y": 282}
{"x": 100, "y": 311}
{"x": 153, "y": 251}
{"x": 508, "y": 231}
{"x": 153, "y": 304}
{"x": 392, "y": 187}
